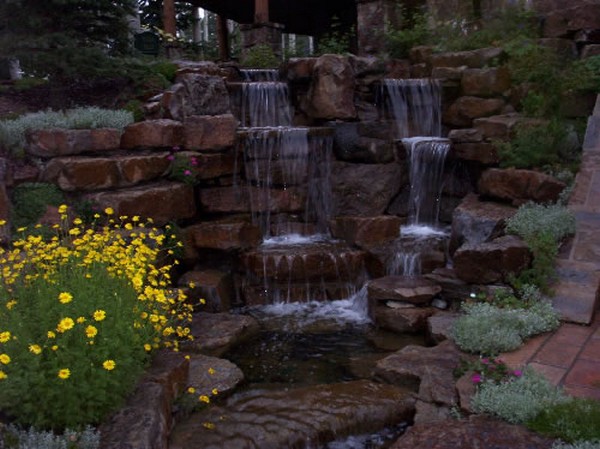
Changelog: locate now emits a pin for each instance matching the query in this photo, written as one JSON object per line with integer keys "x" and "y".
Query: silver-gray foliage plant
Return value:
{"x": 533, "y": 218}
{"x": 488, "y": 329}
{"x": 577, "y": 445}
{"x": 89, "y": 438}
{"x": 517, "y": 400}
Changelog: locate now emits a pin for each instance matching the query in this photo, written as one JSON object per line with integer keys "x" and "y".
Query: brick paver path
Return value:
{"x": 570, "y": 356}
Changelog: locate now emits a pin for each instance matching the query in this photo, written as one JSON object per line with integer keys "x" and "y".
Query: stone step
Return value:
{"x": 591, "y": 141}
{"x": 576, "y": 291}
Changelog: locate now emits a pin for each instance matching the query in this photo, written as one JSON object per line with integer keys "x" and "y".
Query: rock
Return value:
{"x": 475, "y": 221}
{"x": 563, "y": 22}
{"x": 466, "y": 135}
{"x": 420, "y": 54}
{"x": 420, "y": 71}
{"x": 520, "y": 186}
{"x": 236, "y": 199}
{"x": 295, "y": 417}
{"x": 402, "y": 320}
{"x": 217, "y": 333}
{"x": 485, "y": 82}
{"x": 413, "y": 289}
{"x": 212, "y": 166}
{"x": 195, "y": 94}
{"x": 163, "y": 202}
{"x": 427, "y": 413}
{"x": 439, "y": 303}
{"x": 590, "y": 51}
{"x": 489, "y": 262}
{"x": 448, "y": 73}
{"x": 430, "y": 368}
{"x": 95, "y": 173}
{"x": 331, "y": 93}
{"x": 472, "y": 58}
{"x": 398, "y": 68}
{"x": 214, "y": 286}
{"x": 565, "y": 49}
{"x": 300, "y": 69}
{"x": 145, "y": 420}
{"x": 351, "y": 146}
{"x": 364, "y": 66}
{"x": 466, "y": 389}
{"x": 205, "y": 132}
{"x": 198, "y": 67}
{"x": 353, "y": 196}
{"x": 482, "y": 152}
{"x": 161, "y": 133}
{"x": 439, "y": 326}
{"x": 48, "y": 143}
{"x": 473, "y": 433}
{"x": 465, "y": 109}
{"x": 225, "y": 375}
{"x": 224, "y": 235}
{"x": 366, "y": 232}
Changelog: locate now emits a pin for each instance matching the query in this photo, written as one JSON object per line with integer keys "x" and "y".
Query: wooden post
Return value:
{"x": 261, "y": 11}
{"x": 169, "y": 21}
{"x": 223, "y": 37}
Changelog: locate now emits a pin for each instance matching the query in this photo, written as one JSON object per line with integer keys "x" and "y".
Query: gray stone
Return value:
{"x": 471, "y": 58}
{"x": 402, "y": 320}
{"x": 439, "y": 326}
{"x": 413, "y": 289}
{"x": 331, "y": 93}
{"x": 466, "y": 109}
{"x": 196, "y": 94}
{"x": 428, "y": 413}
{"x": 209, "y": 373}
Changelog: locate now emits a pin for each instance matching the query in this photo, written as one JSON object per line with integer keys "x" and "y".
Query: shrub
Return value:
{"x": 260, "y": 57}
{"x": 414, "y": 31}
{"x": 595, "y": 444}
{"x": 489, "y": 330}
{"x": 184, "y": 166}
{"x": 336, "y": 41}
{"x": 12, "y": 132}
{"x": 572, "y": 420}
{"x": 31, "y": 200}
{"x": 518, "y": 400}
{"x": 15, "y": 438}
{"x": 80, "y": 314}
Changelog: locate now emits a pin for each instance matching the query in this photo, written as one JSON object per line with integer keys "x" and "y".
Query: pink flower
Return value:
{"x": 176, "y": 148}
{"x": 187, "y": 173}
{"x": 170, "y": 157}
{"x": 517, "y": 373}
{"x": 194, "y": 161}
{"x": 476, "y": 378}
{"x": 485, "y": 361}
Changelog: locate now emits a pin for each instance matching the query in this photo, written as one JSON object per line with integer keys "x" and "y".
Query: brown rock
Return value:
{"x": 428, "y": 413}
{"x": 82, "y": 173}
{"x": 213, "y": 286}
{"x": 331, "y": 93}
{"x": 466, "y": 390}
{"x": 465, "y": 109}
{"x": 520, "y": 186}
{"x": 163, "y": 202}
{"x": 563, "y": 48}
{"x": 199, "y": 68}
{"x": 139, "y": 168}
{"x": 466, "y": 135}
{"x": 439, "y": 326}
{"x": 564, "y": 21}
{"x": 162, "y": 133}
{"x": 169, "y": 369}
{"x": 473, "y": 433}
{"x": 402, "y": 320}
{"x": 196, "y": 94}
{"x": 237, "y": 199}
{"x": 475, "y": 221}
{"x": 365, "y": 232}
{"x": 420, "y": 54}
{"x": 300, "y": 69}
{"x": 590, "y": 51}
{"x": 430, "y": 368}
{"x": 225, "y": 378}
{"x": 413, "y": 289}
{"x": 49, "y": 143}
{"x": 449, "y": 73}
{"x": 485, "y": 82}
{"x": 224, "y": 235}
{"x": 453, "y": 288}
{"x": 490, "y": 262}
{"x": 472, "y": 58}
{"x": 217, "y": 333}
{"x": 497, "y": 127}
{"x": 204, "y": 132}
{"x": 355, "y": 197}
{"x": 482, "y": 152}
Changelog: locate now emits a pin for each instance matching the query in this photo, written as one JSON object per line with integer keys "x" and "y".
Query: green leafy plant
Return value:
{"x": 336, "y": 41}
{"x": 487, "y": 369}
{"x": 260, "y": 57}
{"x": 30, "y": 201}
{"x": 489, "y": 330}
{"x": 80, "y": 314}
{"x": 573, "y": 420}
{"x": 517, "y": 400}
{"x": 414, "y": 31}
{"x": 184, "y": 166}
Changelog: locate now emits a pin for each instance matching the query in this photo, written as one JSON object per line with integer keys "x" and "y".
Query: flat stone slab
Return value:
{"x": 297, "y": 417}
{"x": 576, "y": 291}
{"x": 413, "y": 289}
{"x": 473, "y": 433}
{"x": 208, "y": 373}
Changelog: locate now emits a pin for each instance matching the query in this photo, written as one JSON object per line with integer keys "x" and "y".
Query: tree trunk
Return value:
{"x": 223, "y": 36}
{"x": 261, "y": 11}
{"x": 169, "y": 21}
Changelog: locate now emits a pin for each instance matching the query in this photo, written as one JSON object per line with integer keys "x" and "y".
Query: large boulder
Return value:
{"x": 497, "y": 127}
{"x": 366, "y": 232}
{"x": 205, "y": 132}
{"x": 402, "y": 320}
{"x": 465, "y": 109}
{"x": 207, "y": 373}
{"x": 411, "y": 289}
{"x": 485, "y": 82}
{"x": 212, "y": 287}
{"x": 161, "y": 133}
{"x": 475, "y": 221}
{"x": 364, "y": 189}
{"x": 490, "y": 262}
{"x": 237, "y": 199}
{"x": 48, "y": 143}
{"x": 331, "y": 93}
{"x": 567, "y": 20}
{"x": 520, "y": 186}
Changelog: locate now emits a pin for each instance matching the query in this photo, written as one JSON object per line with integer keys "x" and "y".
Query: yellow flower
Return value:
{"x": 10, "y": 304}
{"x": 208, "y": 425}
{"x": 74, "y": 231}
{"x": 80, "y": 320}
{"x": 65, "y": 324}
{"x": 99, "y": 315}
{"x": 65, "y": 297}
{"x": 4, "y": 336}
{"x": 51, "y": 334}
{"x": 147, "y": 347}
{"x": 36, "y": 349}
{"x": 54, "y": 348}
{"x": 91, "y": 331}
{"x": 109, "y": 211}
{"x": 2, "y": 222}
{"x": 64, "y": 373}
{"x": 191, "y": 390}
{"x": 109, "y": 365}
{"x": 4, "y": 359}
{"x": 2, "y": 375}
{"x": 204, "y": 398}
{"x": 77, "y": 221}
{"x": 62, "y": 209}
{"x": 211, "y": 371}
{"x": 215, "y": 391}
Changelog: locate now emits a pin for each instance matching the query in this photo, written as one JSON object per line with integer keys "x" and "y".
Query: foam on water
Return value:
{"x": 416, "y": 230}
{"x": 295, "y": 239}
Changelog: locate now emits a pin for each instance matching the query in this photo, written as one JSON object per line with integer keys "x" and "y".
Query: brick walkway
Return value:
{"x": 570, "y": 356}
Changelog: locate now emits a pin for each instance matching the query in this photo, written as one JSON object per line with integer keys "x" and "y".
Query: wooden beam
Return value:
{"x": 223, "y": 38}
{"x": 169, "y": 21}
{"x": 261, "y": 11}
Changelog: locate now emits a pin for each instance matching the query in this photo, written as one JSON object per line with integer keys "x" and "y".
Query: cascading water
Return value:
{"x": 254, "y": 75}
{"x": 265, "y": 100}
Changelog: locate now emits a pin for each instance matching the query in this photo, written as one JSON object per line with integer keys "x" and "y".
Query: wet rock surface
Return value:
{"x": 207, "y": 373}
{"x": 473, "y": 433}
{"x": 519, "y": 186}
{"x": 277, "y": 419}
{"x": 412, "y": 289}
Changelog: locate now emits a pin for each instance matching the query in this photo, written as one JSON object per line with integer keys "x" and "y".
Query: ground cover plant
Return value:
{"x": 80, "y": 314}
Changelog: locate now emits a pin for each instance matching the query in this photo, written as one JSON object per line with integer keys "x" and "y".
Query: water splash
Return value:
{"x": 404, "y": 263}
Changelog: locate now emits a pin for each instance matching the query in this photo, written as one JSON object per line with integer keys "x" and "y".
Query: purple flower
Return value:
{"x": 187, "y": 172}
{"x": 194, "y": 161}
{"x": 170, "y": 157}
{"x": 176, "y": 148}
{"x": 517, "y": 373}
{"x": 485, "y": 361}
{"x": 476, "y": 378}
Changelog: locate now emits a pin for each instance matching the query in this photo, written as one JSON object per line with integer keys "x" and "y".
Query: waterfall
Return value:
{"x": 265, "y": 103}
{"x": 404, "y": 263}
{"x": 255, "y": 75}
{"x": 414, "y": 104}
{"x": 427, "y": 156}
